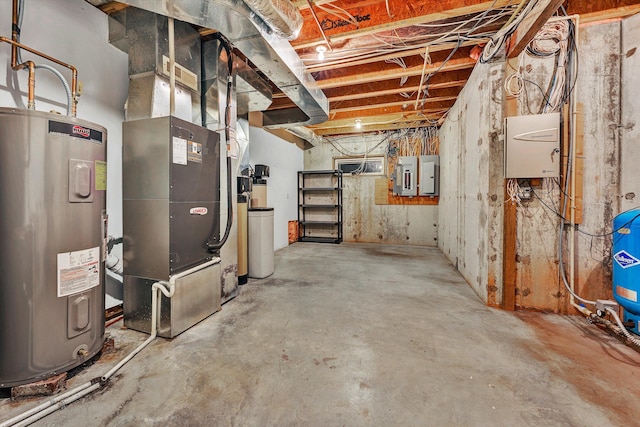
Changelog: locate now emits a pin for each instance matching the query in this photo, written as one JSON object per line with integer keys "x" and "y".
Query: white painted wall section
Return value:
{"x": 284, "y": 160}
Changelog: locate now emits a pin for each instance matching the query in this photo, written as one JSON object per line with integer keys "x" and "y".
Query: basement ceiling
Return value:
{"x": 397, "y": 64}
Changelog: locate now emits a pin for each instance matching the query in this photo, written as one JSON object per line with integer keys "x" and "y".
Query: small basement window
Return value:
{"x": 359, "y": 166}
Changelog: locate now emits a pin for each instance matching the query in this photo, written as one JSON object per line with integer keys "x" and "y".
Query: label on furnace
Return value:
{"x": 179, "y": 151}
{"x": 78, "y": 271}
{"x": 194, "y": 153}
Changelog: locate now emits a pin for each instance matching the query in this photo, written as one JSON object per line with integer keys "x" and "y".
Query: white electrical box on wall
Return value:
{"x": 429, "y": 175}
{"x": 532, "y": 146}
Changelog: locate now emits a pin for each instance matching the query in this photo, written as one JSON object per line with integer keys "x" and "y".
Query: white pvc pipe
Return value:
{"x": 60, "y": 404}
{"x": 572, "y": 208}
{"x": 79, "y": 392}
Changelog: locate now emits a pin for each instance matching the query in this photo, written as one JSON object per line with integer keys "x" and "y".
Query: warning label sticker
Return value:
{"x": 101, "y": 175}
{"x": 78, "y": 271}
{"x": 625, "y": 259}
{"x": 194, "y": 154}
{"x": 627, "y": 293}
{"x": 179, "y": 151}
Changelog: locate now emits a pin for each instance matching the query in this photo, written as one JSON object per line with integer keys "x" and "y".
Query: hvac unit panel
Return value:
{"x": 145, "y": 154}
{"x": 532, "y": 146}
{"x": 429, "y": 175}
{"x": 51, "y": 256}
{"x": 146, "y": 238}
{"x": 171, "y": 193}
{"x": 193, "y": 229}
{"x": 200, "y": 179}
{"x": 197, "y": 296}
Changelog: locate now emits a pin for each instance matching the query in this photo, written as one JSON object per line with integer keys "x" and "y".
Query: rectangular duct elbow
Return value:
{"x": 272, "y": 55}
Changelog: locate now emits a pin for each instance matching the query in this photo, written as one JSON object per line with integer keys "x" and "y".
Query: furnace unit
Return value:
{"x": 171, "y": 209}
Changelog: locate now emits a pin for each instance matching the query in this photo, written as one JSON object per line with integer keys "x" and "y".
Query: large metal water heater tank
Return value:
{"x": 626, "y": 265}
{"x": 52, "y": 234}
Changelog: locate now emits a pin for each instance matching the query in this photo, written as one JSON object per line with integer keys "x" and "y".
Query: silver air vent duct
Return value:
{"x": 282, "y": 16}
{"x": 273, "y": 55}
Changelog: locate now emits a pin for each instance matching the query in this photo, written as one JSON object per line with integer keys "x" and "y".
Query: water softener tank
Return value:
{"x": 53, "y": 228}
{"x": 626, "y": 265}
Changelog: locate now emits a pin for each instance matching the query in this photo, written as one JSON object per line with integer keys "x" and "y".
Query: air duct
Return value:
{"x": 148, "y": 49}
{"x": 273, "y": 55}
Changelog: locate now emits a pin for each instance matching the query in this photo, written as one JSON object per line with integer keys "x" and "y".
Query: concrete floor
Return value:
{"x": 363, "y": 335}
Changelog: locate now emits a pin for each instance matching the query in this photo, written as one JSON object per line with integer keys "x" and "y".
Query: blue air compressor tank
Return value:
{"x": 626, "y": 264}
{"x": 52, "y": 205}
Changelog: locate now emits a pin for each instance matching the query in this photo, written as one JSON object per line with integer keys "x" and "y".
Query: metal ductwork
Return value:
{"x": 273, "y": 55}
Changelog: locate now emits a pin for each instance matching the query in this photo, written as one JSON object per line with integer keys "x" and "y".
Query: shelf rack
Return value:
{"x": 320, "y": 206}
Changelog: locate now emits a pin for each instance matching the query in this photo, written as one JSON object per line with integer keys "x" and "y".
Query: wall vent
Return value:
{"x": 183, "y": 75}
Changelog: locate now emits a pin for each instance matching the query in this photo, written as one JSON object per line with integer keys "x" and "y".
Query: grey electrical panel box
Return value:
{"x": 429, "y": 176}
{"x": 532, "y": 146}
{"x": 405, "y": 176}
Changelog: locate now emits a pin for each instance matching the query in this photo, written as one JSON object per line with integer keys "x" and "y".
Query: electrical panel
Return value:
{"x": 429, "y": 175}
{"x": 405, "y": 176}
{"x": 532, "y": 146}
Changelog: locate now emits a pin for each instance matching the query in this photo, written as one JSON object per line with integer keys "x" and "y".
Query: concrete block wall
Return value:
{"x": 470, "y": 210}
{"x": 364, "y": 221}
{"x": 470, "y": 228}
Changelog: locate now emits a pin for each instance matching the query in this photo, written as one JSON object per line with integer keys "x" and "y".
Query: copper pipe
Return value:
{"x": 32, "y": 66}
{"x": 15, "y": 66}
{"x": 31, "y": 91}
{"x": 14, "y": 30}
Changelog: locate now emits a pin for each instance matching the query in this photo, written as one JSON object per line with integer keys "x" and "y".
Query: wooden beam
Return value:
{"x": 373, "y": 76}
{"x": 391, "y": 107}
{"x": 313, "y": 65}
{"x": 530, "y": 25}
{"x": 374, "y": 123}
{"x": 374, "y": 128}
{"x": 615, "y": 13}
{"x": 395, "y": 91}
{"x": 374, "y": 102}
{"x": 510, "y": 225}
{"x": 112, "y": 7}
{"x": 375, "y": 18}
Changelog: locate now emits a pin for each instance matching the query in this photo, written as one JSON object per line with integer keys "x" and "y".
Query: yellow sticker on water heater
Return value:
{"x": 101, "y": 175}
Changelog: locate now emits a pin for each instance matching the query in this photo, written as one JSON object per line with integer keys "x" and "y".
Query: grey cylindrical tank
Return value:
{"x": 52, "y": 229}
{"x": 261, "y": 253}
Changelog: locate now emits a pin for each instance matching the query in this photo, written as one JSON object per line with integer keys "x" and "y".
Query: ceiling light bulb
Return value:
{"x": 321, "y": 50}
{"x": 358, "y": 123}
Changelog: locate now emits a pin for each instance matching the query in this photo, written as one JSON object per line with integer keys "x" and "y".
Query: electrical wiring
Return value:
{"x": 513, "y": 192}
{"x": 426, "y": 80}
{"x": 345, "y": 152}
{"x": 577, "y": 228}
{"x": 402, "y": 64}
{"x": 553, "y": 40}
{"x": 458, "y": 33}
{"x": 500, "y": 12}
{"x": 496, "y": 42}
{"x": 337, "y": 11}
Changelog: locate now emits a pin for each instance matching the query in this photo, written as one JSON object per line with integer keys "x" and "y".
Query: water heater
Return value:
{"x": 626, "y": 265}
{"x": 52, "y": 205}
